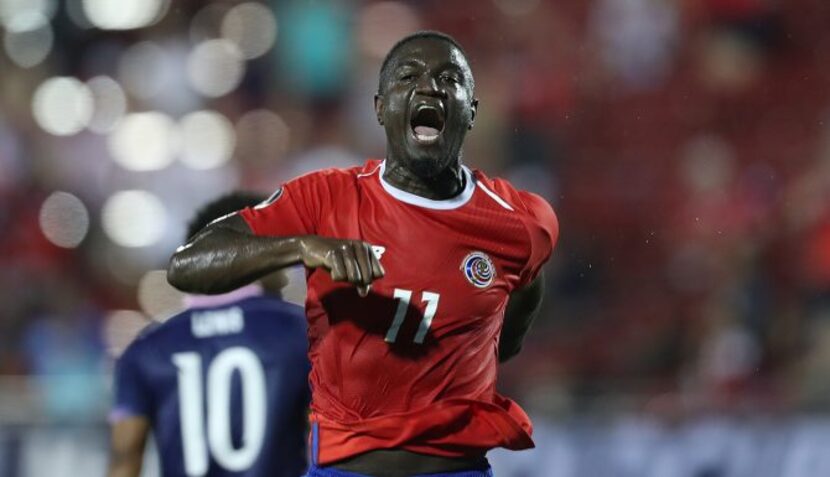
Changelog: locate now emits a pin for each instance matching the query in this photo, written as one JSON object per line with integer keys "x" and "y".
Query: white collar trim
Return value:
{"x": 446, "y": 204}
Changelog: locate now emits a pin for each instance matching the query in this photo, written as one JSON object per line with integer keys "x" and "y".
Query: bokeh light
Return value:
{"x": 144, "y": 141}
{"x": 252, "y": 27}
{"x": 262, "y": 135}
{"x": 382, "y": 24}
{"x": 707, "y": 165}
{"x": 114, "y": 15}
{"x": 64, "y": 219}
{"x": 215, "y": 67}
{"x": 207, "y": 22}
{"x": 207, "y": 139}
{"x": 120, "y": 329}
{"x": 110, "y": 104}
{"x": 62, "y": 105}
{"x": 157, "y": 298}
{"x": 12, "y": 10}
{"x": 28, "y": 39}
{"x": 134, "y": 218}
{"x": 139, "y": 69}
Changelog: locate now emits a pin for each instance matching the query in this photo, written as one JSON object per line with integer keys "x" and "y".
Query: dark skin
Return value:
{"x": 127, "y": 446}
{"x": 424, "y": 72}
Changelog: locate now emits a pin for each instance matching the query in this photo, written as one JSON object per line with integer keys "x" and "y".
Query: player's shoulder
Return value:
{"x": 337, "y": 175}
{"x": 516, "y": 200}
{"x": 264, "y": 317}
{"x": 272, "y": 307}
{"x": 142, "y": 341}
{"x": 172, "y": 329}
{"x": 326, "y": 184}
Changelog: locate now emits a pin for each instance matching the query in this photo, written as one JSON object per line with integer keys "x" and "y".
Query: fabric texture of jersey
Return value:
{"x": 413, "y": 365}
{"x": 246, "y": 361}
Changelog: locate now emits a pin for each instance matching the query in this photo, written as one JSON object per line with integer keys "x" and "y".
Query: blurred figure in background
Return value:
{"x": 222, "y": 385}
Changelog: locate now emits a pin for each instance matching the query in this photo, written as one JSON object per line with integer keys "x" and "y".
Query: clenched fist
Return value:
{"x": 349, "y": 261}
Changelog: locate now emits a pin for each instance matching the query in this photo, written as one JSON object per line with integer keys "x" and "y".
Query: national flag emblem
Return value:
{"x": 479, "y": 269}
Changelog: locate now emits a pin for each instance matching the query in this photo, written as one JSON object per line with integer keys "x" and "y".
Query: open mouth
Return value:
{"x": 427, "y": 123}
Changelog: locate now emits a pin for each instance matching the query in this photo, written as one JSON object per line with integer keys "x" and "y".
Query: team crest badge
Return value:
{"x": 479, "y": 269}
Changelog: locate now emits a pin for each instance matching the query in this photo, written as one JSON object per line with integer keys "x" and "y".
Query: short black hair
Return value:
{"x": 220, "y": 207}
{"x": 437, "y": 35}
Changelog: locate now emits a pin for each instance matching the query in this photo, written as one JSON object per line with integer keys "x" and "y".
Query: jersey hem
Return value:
{"x": 451, "y": 428}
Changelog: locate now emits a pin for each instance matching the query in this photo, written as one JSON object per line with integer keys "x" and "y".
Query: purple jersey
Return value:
{"x": 225, "y": 388}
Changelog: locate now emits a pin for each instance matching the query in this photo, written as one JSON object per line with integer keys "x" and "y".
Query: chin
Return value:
{"x": 427, "y": 167}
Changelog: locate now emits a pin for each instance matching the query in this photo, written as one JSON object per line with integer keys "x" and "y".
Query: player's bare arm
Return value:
{"x": 127, "y": 446}
{"x": 522, "y": 308}
{"x": 226, "y": 255}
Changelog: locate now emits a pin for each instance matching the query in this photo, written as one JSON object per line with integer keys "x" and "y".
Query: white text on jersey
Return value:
{"x": 378, "y": 251}
{"x": 218, "y": 322}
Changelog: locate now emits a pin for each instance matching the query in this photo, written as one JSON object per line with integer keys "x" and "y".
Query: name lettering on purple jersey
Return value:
{"x": 227, "y": 321}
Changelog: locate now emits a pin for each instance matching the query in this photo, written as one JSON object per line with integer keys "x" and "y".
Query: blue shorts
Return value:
{"x": 315, "y": 471}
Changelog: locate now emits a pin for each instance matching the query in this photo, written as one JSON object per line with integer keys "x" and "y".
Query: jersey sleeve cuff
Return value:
{"x": 121, "y": 413}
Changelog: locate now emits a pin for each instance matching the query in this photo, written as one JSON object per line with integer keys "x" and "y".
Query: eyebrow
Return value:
{"x": 409, "y": 62}
{"x": 452, "y": 66}
{"x": 412, "y": 62}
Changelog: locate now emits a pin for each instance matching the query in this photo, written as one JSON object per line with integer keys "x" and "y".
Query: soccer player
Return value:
{"x": 223, "y": 385}
{"x": 422, "y": 274}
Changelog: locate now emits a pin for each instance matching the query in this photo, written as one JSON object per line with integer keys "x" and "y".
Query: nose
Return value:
{"x": 427, "y": 86}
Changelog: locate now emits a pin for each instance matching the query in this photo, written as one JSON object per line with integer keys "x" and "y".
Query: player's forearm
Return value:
{"x": 221, "y": 259}
{"x": 125, "y": 466}
{"x": 522, "y": 309}
{"x": 127, "y": 441}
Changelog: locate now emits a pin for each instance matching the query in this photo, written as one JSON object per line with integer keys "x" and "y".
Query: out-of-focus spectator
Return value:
{"x": 637, "y": 39}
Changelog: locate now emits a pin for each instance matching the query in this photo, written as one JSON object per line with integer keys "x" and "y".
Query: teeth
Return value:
{"x": 426, "y": 133}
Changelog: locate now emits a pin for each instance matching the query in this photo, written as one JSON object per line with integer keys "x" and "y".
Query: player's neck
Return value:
{"x": 446, "y": 185}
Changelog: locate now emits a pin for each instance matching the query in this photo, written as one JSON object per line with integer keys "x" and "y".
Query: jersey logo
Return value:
{"x": 270, "y": 200}
{"x": 378, "y": 251}
{"x": 479, "y": 269}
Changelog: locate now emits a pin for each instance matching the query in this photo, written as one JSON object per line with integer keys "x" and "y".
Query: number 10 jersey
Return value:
{"x": 224, "y": 387}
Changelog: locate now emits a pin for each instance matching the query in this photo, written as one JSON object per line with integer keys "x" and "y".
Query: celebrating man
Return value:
{"x": 422, "y": 274}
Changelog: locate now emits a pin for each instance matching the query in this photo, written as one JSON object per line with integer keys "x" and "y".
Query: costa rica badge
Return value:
{"x": 479, "y": 269}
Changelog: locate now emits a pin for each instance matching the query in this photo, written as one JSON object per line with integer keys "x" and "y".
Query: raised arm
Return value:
{"x": 226, "y": 255}
{"x": 522, "y": 309}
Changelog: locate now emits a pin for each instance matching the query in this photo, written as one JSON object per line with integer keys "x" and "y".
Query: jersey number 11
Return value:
{"x": 404, "y": 297}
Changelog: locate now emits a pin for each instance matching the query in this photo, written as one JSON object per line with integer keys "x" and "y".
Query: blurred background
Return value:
{"x": 685, "y": 145}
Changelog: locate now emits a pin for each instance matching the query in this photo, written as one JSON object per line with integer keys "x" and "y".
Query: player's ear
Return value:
{"x": 379, "y": 108}
{"x": 473, "y": 111}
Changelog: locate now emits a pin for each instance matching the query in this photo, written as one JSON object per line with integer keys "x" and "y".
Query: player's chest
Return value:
{"x": 462, "y": 264}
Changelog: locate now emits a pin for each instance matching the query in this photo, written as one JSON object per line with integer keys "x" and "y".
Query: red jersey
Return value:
{"x": 413, "y": 365}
